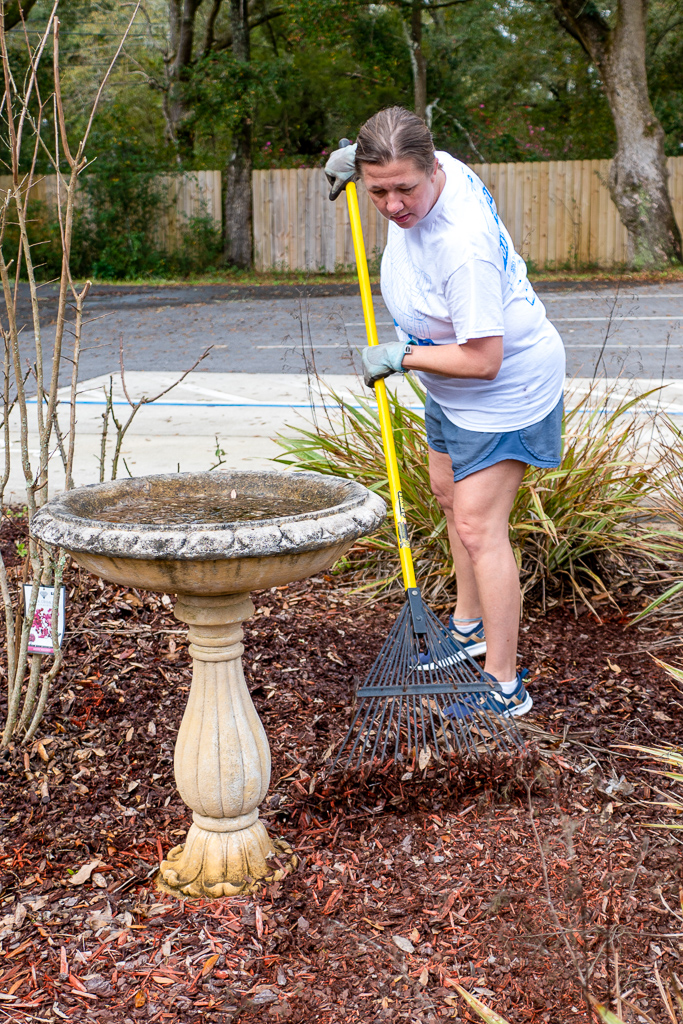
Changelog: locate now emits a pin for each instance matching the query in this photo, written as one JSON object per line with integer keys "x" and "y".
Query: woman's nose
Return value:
{"x": 394, "y": 204}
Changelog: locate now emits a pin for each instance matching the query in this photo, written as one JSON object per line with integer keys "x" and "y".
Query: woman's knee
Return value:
{"x": 441, "y": 479}
{"x": 476, "y": 535}
{"x": 444, "y": 498}
{"x": 442, "y": 489}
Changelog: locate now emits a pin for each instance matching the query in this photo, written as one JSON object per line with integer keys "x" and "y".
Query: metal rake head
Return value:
{"x": 424, "y": 706}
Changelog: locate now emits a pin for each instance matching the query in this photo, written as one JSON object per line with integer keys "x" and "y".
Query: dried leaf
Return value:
{"x": 99, "y": 880}
{"x": 403, "y": 943}
{"x": 19, "y": 915}
{"x": 210, "y": 964}
{"x": 84, "y": 873}
{"x": 140, "y": 999}
{"x": 424, "y": 758}
{"x": 424, "y": 976}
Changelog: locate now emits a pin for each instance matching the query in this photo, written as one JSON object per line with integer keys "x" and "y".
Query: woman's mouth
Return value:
{"x": 401, "y": 218}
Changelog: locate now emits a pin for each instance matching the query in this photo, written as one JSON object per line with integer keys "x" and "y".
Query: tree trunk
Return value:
{"x": 182, "y": 15}
{"x": 638, "y": 179}
{"x": 417, "y": 58}
{"x": 238, "y": 230}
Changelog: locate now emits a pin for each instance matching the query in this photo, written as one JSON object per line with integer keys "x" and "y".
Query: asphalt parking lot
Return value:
{"x": 633, "y": 331}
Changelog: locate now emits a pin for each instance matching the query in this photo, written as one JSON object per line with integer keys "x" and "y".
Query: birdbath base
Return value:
{"x": 222, "y": 762}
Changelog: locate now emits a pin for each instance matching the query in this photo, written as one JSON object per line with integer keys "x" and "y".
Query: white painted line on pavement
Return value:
{"x": 187, "y": 385}
{"x": 553, "y": 319}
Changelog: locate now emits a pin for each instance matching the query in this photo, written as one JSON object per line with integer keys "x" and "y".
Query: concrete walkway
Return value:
{"x": 242, "y": 414}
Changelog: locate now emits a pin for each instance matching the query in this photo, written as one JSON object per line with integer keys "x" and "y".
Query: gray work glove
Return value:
{"x": 340, "y": 168}
{"x": 381, "y": 361}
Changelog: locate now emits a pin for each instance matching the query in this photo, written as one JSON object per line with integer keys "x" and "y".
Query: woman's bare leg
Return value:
{"x": 482, "y": 504}
{"x": 477, "y": 511}
{"x": 468, "y": 605}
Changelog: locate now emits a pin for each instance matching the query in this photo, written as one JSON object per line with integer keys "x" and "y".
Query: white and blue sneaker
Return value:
{"x": 507, "y": 705}
{"x": 473, "y": 642}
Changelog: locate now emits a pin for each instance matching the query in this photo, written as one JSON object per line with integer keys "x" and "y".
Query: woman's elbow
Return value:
{"x": 490, "y": 369}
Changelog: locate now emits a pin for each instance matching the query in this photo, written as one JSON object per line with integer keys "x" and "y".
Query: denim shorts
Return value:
{"x": 471, "y": 450}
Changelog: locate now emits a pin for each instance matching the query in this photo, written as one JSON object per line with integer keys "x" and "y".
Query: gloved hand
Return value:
{"x": 340, "y": 168}
{"x": 381, "y": 361}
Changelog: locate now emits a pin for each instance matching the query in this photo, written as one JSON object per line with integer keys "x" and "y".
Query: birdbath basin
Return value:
{"x": 211, "y": 538}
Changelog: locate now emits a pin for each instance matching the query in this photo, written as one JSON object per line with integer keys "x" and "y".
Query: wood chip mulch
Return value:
{"x": 506, "y": 877}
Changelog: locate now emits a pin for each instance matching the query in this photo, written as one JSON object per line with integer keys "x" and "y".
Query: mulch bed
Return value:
{"x": 506, "y": 877}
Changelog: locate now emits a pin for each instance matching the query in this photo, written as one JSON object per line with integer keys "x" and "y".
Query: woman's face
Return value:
{"x": 401, "y": 190}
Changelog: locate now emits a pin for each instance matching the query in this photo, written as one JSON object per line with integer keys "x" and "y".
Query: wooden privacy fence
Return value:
{"x": 183, "y": 196}
{"x": 558, "y": 213}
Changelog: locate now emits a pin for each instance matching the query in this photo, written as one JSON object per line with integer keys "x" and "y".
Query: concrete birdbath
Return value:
{"x": 211, "y": 538}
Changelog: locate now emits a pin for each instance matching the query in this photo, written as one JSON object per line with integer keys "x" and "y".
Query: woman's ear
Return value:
{"x": 435, "y": 169}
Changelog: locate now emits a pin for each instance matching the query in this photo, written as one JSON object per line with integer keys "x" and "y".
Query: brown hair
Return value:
{"x": 395, "y": 134}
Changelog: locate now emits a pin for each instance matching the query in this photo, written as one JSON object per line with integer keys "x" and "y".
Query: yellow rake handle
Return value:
{"x": 404, "y": 551}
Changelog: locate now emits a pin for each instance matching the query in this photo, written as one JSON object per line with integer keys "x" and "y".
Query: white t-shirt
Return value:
{"x": 455, "y": 275}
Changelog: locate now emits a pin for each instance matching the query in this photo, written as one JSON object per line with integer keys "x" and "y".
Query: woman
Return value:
{"x": 471, "y": 327}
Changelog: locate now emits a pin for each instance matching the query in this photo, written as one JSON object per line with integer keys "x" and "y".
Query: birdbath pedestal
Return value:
{"x": 193, "y": 549}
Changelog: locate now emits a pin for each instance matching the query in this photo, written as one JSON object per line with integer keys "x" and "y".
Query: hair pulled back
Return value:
{"x": 395, "y": 134}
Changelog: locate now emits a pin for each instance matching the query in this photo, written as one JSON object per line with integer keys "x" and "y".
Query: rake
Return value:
{"x": 423, "y": 706}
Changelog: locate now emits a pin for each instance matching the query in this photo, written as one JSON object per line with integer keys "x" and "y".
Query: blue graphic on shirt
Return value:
{"x": 490, "y": 200}
{"x": 504, "y": 249}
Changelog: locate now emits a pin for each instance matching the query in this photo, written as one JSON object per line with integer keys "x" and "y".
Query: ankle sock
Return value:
{"x": 508, "y": 688}
{"x": 466, "y": 626}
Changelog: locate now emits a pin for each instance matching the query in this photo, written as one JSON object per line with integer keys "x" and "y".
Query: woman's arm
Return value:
{"x": 477, "y": 359}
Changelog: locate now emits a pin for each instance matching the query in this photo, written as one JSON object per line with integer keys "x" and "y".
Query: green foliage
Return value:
{"x": 668, "y": 506}
{"x": 665, "y": 69}
{"x": 504, "y": 82}
{"x": 511, "y": 84}
{"x": 571, "y": 527}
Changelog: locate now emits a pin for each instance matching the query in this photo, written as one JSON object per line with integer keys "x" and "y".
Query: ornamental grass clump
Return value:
{"x": 575, "y": 529}
{"x": 669, "y": 509}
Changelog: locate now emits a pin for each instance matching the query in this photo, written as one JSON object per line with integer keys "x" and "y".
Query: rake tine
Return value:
{"x": 388, "y": 731}
{"x": 379, "y": 732}
{"x": 403, "y": 701}
{"x": 361, "y": 733}
{"x": 443, "y": 731}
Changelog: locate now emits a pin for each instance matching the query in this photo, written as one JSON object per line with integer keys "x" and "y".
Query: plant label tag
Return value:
{"x": 40, "y": 637}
